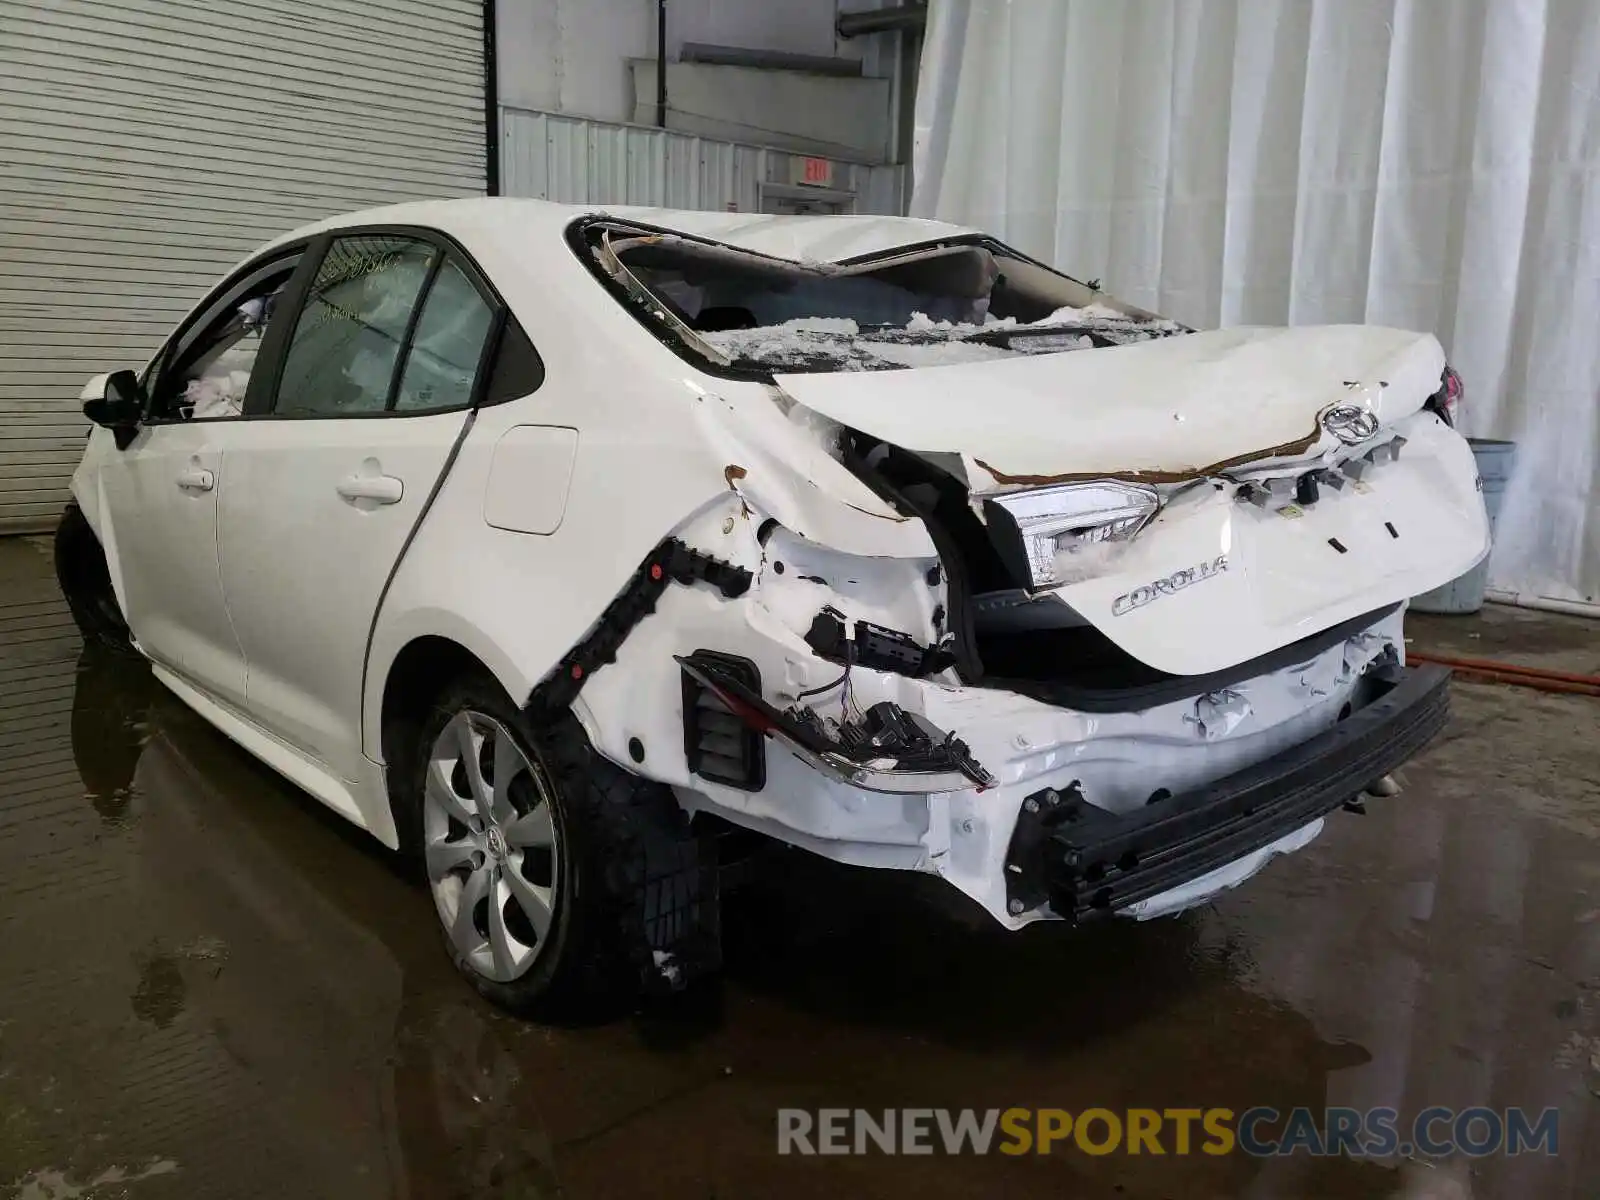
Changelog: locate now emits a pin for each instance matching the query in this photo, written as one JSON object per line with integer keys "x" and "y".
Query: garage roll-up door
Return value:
{"x": 147, "y": 145}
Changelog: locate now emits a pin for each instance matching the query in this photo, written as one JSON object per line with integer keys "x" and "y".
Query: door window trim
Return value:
{"x": 275, "y": 350}
{"x": 262, "y": 395}
{"x": 217, "y": 301}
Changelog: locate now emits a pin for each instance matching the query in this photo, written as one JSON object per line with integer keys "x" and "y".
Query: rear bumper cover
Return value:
{"x": 1086, "y": 862}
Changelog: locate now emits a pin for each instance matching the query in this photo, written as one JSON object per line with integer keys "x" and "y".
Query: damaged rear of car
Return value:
{"x": 869, "y": 535}
{"x": 1077, "y": 608}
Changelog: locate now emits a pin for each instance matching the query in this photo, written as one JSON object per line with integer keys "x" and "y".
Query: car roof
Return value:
{"x": 519, "y": 221}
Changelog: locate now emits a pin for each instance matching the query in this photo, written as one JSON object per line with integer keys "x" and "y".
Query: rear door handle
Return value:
{"x": 380, "y": 489}
{"x": 196, "y": 479}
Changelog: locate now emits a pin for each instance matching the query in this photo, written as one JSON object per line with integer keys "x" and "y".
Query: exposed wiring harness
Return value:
{"x": 846, "y": 698}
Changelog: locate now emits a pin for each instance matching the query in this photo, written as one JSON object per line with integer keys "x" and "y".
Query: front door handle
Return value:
{"x": 196, "y": 479}
{"x": 380, "y": 489}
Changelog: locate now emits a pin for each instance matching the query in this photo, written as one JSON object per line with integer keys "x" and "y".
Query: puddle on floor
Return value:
{"x": 224, "y": 989}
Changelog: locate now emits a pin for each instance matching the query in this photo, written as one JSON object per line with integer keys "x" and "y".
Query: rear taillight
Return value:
{"x": 1447, "y": 400}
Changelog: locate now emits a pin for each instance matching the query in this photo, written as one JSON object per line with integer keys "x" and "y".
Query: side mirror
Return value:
{"x": 118, "y": 406}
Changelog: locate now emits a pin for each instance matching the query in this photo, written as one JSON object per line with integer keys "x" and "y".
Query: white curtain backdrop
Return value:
{"x": 1428, "y": 164}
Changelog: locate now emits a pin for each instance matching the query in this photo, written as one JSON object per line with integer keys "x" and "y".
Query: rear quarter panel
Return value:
{"x": 642, "y": 466}
{"x": 659, "y": 444}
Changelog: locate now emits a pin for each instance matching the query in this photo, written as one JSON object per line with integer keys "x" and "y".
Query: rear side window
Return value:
{"x": 446, "y": 345}
{"x": 343, "y": 354}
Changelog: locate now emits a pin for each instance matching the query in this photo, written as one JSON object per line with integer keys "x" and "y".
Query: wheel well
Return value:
{"x": 423, "y": 669}
{"x": 80, "y": 559}
{"x": 84, "y": 576}
{"x": 419, "y": 673}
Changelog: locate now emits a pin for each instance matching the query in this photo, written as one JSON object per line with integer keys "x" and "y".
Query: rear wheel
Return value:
{"x": 562, "y": 883}
{"x": 86, "y": 583}
{"x": 493, "y": 846}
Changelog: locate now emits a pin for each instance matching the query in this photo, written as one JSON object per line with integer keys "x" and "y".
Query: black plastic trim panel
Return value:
{"x": 718, "y": 744}
{"x": 1087, "y": 862}
{"x": 670, "y": 562}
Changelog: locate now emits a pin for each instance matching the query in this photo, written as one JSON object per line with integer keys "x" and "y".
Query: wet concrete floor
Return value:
{"x": 209, "y": 987}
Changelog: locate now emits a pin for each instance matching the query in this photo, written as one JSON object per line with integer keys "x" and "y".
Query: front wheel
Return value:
{"x": 86, "y": 583}
{"x": 561, "y": 882}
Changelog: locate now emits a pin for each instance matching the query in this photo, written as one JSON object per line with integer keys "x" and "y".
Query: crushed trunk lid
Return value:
{"x": 1169, "y": 409}
{"x": 1215, "y": 580}
{"x": 1225, "y": 571}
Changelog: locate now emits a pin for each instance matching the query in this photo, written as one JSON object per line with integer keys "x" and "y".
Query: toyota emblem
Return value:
{"x": 1350, "y": 424}
{"x": 496, "y": 842}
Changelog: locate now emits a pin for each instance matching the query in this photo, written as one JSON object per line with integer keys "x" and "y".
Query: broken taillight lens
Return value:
{"x": 1446, "y": 401}
{"x": 1050, "y": 526}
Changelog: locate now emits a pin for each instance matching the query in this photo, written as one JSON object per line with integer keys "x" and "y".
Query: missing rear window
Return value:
{"x": 950, "y": 302}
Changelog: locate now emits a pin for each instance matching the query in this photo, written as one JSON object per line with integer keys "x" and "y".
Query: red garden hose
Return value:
{"x": 1489, "y": 671}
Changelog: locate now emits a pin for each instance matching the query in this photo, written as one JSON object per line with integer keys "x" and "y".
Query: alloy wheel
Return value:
{"x": 491, "y": 846}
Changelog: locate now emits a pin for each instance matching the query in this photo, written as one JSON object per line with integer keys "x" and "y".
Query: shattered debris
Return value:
{"x": 839, "y": 343}
{"x": 916, "y": 306}
{"x": 888, "y": 732}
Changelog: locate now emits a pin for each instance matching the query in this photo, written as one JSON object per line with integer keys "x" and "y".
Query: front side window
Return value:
{"x": 212, "y": 361}
{"x": 342, "y": 357}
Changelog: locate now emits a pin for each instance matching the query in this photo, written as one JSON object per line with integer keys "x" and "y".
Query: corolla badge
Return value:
{"x": 1177, "y": 581}
{"x": 1350, "y": 424}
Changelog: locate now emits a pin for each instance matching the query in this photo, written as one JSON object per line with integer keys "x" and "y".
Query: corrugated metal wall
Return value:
{"x": 577, "y": 161}
{"x": 149, "y": 144}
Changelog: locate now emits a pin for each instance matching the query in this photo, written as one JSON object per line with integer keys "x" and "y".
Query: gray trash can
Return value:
{"x": 1465, "y": 594}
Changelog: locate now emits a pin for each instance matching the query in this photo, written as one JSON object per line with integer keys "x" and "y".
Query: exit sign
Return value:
{"x": 812, "y": 172}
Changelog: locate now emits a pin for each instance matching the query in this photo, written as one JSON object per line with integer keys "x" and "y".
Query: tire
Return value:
{"x": 86, "y": 583}
{"x": 631, "y": 893}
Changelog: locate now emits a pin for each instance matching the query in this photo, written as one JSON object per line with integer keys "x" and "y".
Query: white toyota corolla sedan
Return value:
{"x": 556, "y": 546}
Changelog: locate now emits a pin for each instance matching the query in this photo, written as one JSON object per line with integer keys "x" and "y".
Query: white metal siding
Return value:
{"x": 148, "y": 145}
{"x": 572, "y": 160}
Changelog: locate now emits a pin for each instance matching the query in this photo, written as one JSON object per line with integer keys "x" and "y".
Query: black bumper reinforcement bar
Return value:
{"x": 1087, "y": 862}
